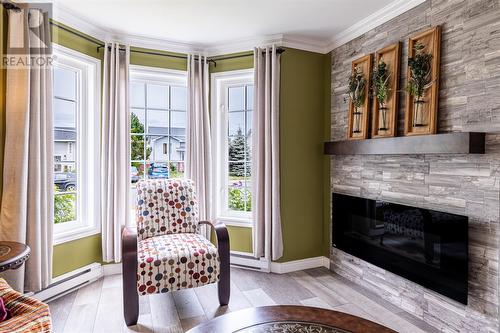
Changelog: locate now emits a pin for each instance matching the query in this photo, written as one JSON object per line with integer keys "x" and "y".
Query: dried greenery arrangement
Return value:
{"x": 357, "y": 92}
{"x": 419, "y": 80}
{"x": 381, "y": 89}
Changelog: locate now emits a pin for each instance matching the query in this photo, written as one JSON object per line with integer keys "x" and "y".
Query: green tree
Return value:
{"x": 137, "y": 141}
{"x": 238, "y": 150}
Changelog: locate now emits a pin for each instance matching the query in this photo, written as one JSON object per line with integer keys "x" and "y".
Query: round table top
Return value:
{"x": 284, "y": 318}
{"x": 13, "y": 255}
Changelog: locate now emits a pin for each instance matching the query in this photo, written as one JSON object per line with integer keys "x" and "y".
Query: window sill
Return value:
{"x": 236, "y": 222}
{"x": 74, "y": 234}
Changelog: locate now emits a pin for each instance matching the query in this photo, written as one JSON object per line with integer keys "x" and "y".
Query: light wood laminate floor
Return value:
{"x": 97, "y": 307}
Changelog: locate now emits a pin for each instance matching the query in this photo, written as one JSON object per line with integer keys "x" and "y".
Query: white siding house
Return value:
{"x": 64, "y": 149}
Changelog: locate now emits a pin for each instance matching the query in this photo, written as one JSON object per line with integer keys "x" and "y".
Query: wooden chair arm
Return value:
{"x": 222, "y": 235}
{"x": 129, "y": 240}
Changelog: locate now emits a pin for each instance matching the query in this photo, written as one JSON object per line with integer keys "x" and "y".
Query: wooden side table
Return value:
{"x": 13, "y": 255}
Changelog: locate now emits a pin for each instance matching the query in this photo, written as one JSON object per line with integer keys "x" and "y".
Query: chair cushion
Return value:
{"x": 177, "y": 261}
{"x": 28, "y": 314}
{"x": 166, "y": 206}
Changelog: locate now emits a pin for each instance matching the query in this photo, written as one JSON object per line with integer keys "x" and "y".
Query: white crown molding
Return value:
{"x": 242, "y": 45}
{"x": 157, "y": 43}
{"x": 64, "y": 15}
{"x": 247, "y": 44}
{"x": 381, "y": 16}
{"x": 305, "y": 44}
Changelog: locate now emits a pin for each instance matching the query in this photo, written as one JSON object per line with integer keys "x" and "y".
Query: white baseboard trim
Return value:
{"x": 73, "y": 280}
{"x": 111, "y": 269}
{"x": 298, "y": 265}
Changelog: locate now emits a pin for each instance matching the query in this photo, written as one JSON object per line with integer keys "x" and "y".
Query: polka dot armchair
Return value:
{"x": 165, "y": 252}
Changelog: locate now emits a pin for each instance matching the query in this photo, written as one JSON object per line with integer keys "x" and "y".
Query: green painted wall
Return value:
{"x": 156, "y": 60}
{"x": 240, "y": 238}
{"x": 75, "y": 254}
{"x": 244, "y": 61}
{"x": 302, "y": 116}
{"x": 64, "y": 38}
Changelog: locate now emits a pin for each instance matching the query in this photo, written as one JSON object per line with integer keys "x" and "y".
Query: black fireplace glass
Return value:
{"x": 425, "y": 246}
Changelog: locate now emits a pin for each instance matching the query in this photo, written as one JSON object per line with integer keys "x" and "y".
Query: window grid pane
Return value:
{"x": 163, "y": 139}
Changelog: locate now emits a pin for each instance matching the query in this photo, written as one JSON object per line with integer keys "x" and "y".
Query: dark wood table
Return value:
{"x": 13, "y": 255}
{"x": 289, "y": 318}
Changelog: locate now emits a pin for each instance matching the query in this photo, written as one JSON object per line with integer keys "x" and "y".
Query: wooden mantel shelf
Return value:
{"x": 449, "y": 143}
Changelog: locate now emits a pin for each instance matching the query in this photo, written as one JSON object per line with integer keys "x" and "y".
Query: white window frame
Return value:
{"x": 161, "y": 77}
{"x": 87, "y": 145}
{"x": 157, "y": 76}
{"x": 220, "y": 82}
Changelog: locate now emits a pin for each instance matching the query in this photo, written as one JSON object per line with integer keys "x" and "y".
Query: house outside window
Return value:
{"x": 158, "y": 103}
{"x": 76, "y": 109}
{"x": 232, "y": 105}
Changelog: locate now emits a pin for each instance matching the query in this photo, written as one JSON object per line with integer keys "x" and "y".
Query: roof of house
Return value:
{"x": 174, "y": 131}
{"x": 177, "y": 133}
{"x": 64, "y": 134}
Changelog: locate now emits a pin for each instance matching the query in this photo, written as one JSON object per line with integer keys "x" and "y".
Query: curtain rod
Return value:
{"x": 100, "y": 45}
{"x": 10, "y": 5}
{"x": 213, "y": 60}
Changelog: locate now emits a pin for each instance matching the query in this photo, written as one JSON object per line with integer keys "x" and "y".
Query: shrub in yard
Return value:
{"x": 238, "y": 198}
{"x": 64, "y": 207}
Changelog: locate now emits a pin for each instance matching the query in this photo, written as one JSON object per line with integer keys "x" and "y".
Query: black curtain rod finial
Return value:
{"x": 10, "y": 6}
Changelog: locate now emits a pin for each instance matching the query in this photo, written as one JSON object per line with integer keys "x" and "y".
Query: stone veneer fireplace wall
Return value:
{"x": 462, "y": 184}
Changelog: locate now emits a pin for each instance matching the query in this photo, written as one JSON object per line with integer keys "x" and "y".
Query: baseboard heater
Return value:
{"x": 248, "y": 261}
{"x": 69, "y": 282}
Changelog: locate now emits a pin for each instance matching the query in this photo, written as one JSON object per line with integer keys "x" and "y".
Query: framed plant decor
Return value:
{"x": 385, "y": 86}
{"x": 422, "y": 86}
{"x": 359, "y": 101}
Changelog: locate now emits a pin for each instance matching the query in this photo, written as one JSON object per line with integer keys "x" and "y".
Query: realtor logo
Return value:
{"x": 28, "y": 36}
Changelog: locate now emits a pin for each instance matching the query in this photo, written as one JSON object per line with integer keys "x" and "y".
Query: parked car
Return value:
{"x": 134, "y": 174}
{"x": 65, "y": 181}
{"x": 158, "y": 170}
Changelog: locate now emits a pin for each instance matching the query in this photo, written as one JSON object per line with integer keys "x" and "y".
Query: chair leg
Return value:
{"x": 224, "y": 288}
{"x": 130, "y": 295}
{"x": 224, "y": 284}
{"x": 129, "y": 276}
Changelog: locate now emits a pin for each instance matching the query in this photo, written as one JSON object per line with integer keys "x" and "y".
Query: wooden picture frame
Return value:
{"x": 421, "y": 115}
{"x": 359, "y": 122}
{"x": 384, "y": 121}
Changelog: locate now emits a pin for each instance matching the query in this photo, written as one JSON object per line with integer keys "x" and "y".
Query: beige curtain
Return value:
{"x": 199, "y": 154}
{"x": 267, "y": 235}
{"x": 27, "y": 198}
{"x": 115, "y": 149}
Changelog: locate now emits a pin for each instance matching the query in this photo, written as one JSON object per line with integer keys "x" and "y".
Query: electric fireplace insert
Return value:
{"x": 425, "y": 246}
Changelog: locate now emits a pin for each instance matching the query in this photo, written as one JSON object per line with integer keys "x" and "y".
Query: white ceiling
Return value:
{"x": 208, "y": 23}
